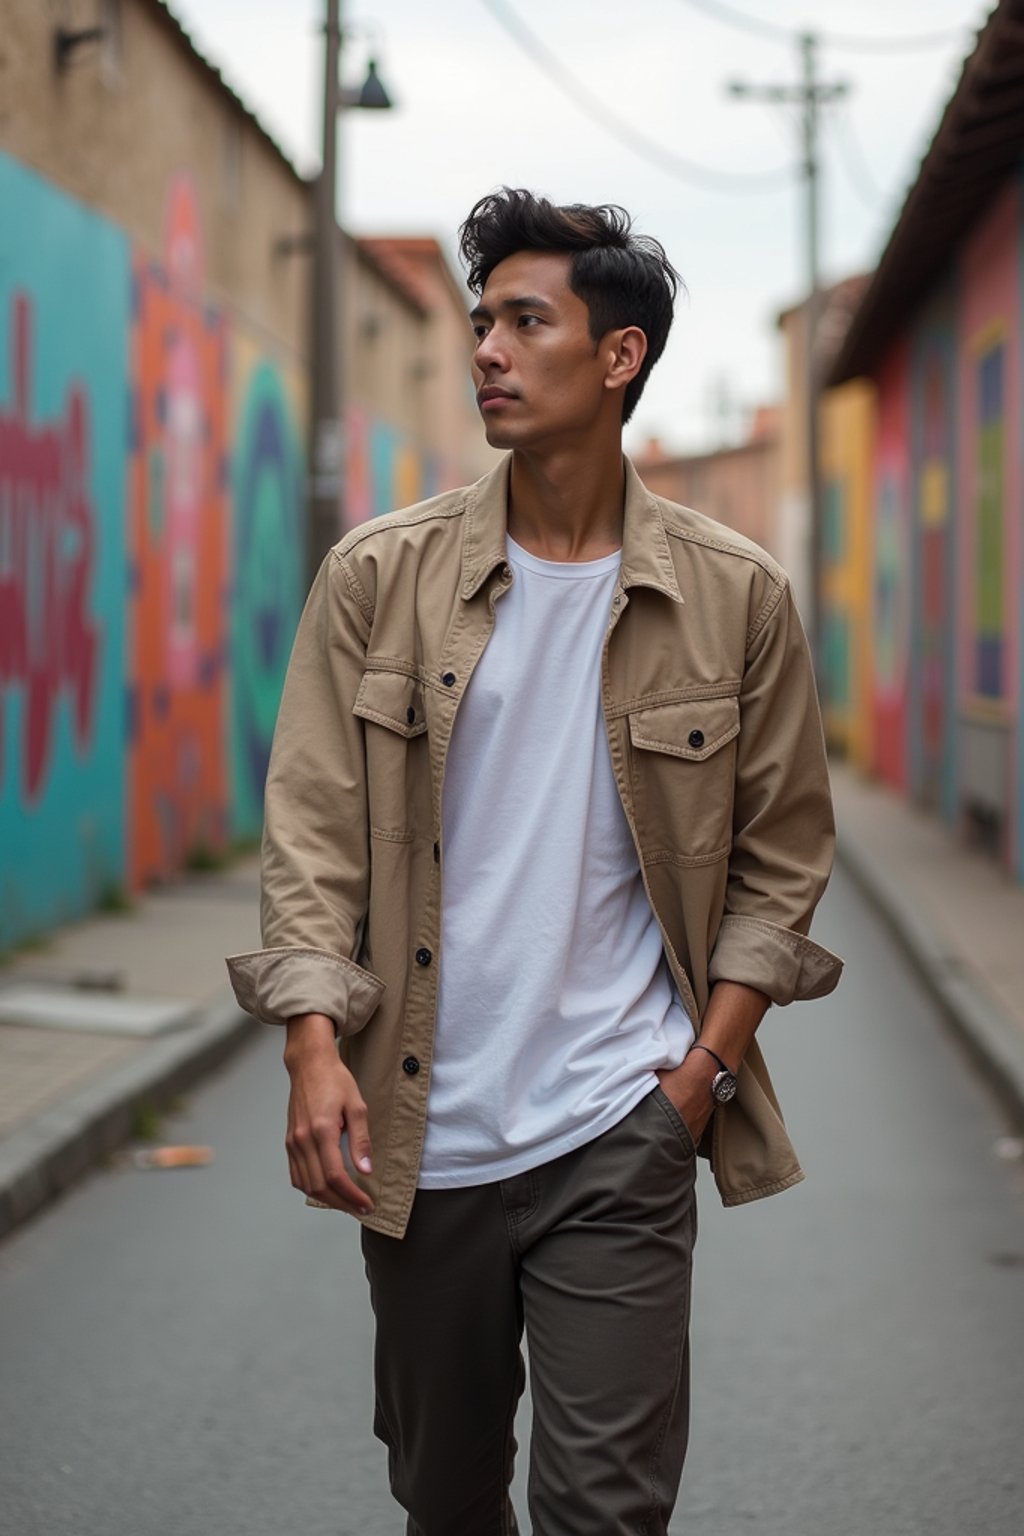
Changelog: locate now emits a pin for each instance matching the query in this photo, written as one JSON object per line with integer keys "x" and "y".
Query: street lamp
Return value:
{"x": 371, "y": 96}
{"x": 327, "y": 449}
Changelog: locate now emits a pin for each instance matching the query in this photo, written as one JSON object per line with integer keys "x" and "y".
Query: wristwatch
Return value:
{"x": 723, "y": 1084}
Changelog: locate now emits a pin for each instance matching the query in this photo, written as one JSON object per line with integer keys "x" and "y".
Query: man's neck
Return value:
{"x": 567, "y": 505}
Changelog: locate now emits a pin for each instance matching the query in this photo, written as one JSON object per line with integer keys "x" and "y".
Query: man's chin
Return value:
{"x": 500, "y": 434}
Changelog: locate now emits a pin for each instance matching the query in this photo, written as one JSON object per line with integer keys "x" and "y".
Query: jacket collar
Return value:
{"x": 646, "y": 558}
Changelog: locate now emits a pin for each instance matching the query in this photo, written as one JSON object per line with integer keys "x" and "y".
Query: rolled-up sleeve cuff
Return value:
{"x": 787, "y": 966}
{"x": 276, "y": 985}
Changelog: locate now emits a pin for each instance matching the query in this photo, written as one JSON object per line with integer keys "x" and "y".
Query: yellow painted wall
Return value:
{"x": 847, "y": 455}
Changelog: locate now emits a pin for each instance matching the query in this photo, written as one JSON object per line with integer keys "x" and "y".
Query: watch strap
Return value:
{"x": 714, "y": 1056}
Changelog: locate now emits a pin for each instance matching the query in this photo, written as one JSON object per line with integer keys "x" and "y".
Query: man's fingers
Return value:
{"x": 297, "y": 1166}
{"x": 331, "y": 1185}
{"x": 357, "y": 1125}
{"x": 325, "y": 1101}
{"x": 331, "y": 1170}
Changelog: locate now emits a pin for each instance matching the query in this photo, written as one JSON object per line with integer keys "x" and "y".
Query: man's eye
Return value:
{"x": 529, "y": 320}
{"x": 479, "y": 331}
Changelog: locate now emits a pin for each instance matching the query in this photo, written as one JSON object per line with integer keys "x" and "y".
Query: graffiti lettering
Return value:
{"x": 48, "y": 642}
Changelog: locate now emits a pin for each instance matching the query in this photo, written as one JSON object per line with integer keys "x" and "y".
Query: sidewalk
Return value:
{"x": 116, "y": 1015}
{"x": 111, "y": 1018}
{"x": 958, "y": 917}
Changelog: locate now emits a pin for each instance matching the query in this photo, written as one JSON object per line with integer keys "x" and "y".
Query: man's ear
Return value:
{"x": 625, "y": 351}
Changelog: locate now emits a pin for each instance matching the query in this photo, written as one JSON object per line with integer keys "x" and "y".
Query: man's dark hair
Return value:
{"x": 624, "y": 279}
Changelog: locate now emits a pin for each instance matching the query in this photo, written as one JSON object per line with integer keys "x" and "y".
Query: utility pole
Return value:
{"x": 810, "y": 95}
{"x": 324, "y": 520}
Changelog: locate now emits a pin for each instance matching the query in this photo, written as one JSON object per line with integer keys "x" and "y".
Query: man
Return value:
{"x": 547, "y": 817}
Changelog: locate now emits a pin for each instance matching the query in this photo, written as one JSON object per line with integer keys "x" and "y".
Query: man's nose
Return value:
{"x": 491, "y": 353}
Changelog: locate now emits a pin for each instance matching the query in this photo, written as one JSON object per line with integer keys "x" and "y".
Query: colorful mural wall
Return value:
{"x": 385, "y": 470}
{"x": 988, "y": 521}
{"x": 932, "y": 720}
{"x": 63, "y": 419}
{"x": 151, "y": 552}
{"x": 177, "y": 556}
{"x": 267, "y": 563}
{"x": 891, "y": 596}
{"x": 945, "y": 524}
{"x": 847, "y": 454}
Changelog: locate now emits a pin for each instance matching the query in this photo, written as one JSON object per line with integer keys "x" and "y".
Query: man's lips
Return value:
{"x": 491, "y": 396}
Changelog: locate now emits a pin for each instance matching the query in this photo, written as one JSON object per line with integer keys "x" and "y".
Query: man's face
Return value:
{"x": 539, "y": 376}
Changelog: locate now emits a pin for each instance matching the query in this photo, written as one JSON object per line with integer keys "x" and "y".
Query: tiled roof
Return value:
{"x": 977, "y": 147}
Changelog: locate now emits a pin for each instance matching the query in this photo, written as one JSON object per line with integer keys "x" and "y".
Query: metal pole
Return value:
{"x": 327, "y": 447}
{"x": 810, "y": 95}
{"x": 808, "y": 45}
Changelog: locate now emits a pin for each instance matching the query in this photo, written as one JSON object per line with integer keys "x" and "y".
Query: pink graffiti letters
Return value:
{"x": 48, "y": 641}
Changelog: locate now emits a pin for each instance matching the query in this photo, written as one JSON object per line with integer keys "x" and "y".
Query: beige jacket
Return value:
{"x": 716, "y": 745}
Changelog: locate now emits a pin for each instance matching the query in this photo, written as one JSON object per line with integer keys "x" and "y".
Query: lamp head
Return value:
{"x": 373, "y": 95}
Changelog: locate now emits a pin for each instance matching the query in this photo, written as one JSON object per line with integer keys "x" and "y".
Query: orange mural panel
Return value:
{"x": 178, "y": 540}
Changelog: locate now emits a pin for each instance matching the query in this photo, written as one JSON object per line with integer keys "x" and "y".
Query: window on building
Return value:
{"x": 989, "y": 513}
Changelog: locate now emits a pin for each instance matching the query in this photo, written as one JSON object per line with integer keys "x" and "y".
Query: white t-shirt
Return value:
{"x": 556, "y": 1003}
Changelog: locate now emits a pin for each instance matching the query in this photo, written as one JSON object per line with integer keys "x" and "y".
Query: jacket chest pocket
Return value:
{"x": 683, "y": 769}
{"x": 397, "y": 754}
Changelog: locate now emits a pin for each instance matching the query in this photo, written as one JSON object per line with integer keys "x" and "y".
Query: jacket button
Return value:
{"x": 423, "y": 957}
{"x": 448, "y": 678}
{"x": 696, "y": 738}
{"x": 410, "y": 1065}
{"x": 410, "y": 715}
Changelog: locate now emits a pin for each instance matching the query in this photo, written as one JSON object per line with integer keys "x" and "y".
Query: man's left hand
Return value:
{"x": 689, "y": 1088}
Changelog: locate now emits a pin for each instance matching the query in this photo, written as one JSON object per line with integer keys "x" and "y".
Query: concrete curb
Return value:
{"x": 43, "y": 1158}
{"x": 992, "y": 1038}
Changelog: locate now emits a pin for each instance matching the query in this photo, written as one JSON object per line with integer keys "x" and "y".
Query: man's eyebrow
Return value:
{"x": 525, "y": 301}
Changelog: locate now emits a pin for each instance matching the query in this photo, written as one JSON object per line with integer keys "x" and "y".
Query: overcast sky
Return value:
{"x": 475, "y": 109}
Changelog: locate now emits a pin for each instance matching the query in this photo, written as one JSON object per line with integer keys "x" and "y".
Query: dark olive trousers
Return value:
{"x": 593, "y": 1252}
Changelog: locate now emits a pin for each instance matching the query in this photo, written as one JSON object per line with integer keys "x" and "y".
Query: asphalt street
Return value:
{"x": 188, "y": 1352}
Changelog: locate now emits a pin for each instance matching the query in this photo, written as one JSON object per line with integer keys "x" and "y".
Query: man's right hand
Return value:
{"x": 324, "y": 1101}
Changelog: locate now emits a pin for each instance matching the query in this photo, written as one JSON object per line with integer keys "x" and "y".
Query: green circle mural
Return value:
{"x": 267, "y": 582}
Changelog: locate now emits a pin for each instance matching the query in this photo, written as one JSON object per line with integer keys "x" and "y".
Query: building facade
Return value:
{"x": 934, "y": 559}
{"x": 736, "y": 485}
{"x": 155, "y": 330}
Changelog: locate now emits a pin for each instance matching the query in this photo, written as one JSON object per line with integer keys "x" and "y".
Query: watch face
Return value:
{"x": 724, "y": 1087}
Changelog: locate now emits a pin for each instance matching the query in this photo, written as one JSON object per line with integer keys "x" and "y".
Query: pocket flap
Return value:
{"x": 392, "y": 699}
{"x": 691, "y": 728}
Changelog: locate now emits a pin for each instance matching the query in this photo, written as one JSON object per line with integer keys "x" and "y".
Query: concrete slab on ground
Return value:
{"x": 44, "y": 1005}
{"x": 70, "y": 1095}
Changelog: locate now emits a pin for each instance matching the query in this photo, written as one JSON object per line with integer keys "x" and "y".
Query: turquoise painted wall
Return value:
{"x": 64, "y": 319}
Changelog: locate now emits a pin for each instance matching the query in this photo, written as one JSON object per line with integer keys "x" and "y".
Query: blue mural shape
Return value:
{"x": 267, "y": 590}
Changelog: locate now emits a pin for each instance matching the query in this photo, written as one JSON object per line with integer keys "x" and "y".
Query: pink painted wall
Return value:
{"x": 891, "y": 578}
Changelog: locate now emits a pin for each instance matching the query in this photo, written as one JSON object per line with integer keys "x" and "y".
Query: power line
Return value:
{"x": 740, "y": 19}
{"x": 860, "y": 43}
{"x": 858, "y": 172}
{"x": 666, "y": 160}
